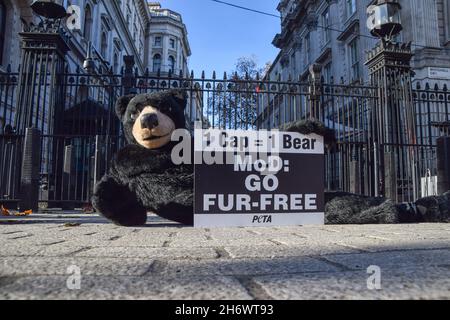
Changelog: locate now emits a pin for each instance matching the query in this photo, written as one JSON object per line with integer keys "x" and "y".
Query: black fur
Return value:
{"x": 346, "y": 208}
{"x": 142, "y": 180}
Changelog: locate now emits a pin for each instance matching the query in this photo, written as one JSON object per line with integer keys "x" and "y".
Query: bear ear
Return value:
{"x": 122, "y": 104}
{"x": 180, "y": 97}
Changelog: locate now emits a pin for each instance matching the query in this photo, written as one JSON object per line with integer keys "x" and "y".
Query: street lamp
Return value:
{"x": 50, "y": 9}
{"x": 384, "y": 19}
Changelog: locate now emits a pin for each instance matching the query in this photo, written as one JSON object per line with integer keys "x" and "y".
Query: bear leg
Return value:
{"x": 178, "y": 213}
{"x": 118, "y": 203}
{"x": 180, "y": 210}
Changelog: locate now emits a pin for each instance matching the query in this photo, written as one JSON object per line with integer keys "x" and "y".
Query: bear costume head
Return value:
{"x": 150, "y": 119}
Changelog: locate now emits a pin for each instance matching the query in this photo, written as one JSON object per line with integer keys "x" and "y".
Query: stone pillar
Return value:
{"x": 129, "y": 79}
{"x": 443, "y": 164}
{"x": 44, "y": 49}
{"x": 391, "y": 117}
{"x": 315, "y": 91}
{"x": 420, "y": 18}
{"x": 29, "y": 183}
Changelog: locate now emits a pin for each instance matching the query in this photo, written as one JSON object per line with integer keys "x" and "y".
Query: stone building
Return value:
{"x": 110, "y": 29}
{"x": 169, "y": 53}
{"x": 168, "y": 35}
{"x": 334, "y": 33}
{"x": 102, "y": 32}
{"x": 114, "y": 29}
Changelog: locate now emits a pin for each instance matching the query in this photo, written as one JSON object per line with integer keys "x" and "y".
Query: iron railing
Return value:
{"x": 87, "y": 133}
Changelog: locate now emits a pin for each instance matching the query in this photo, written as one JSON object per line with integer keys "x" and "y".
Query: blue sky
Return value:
{"x": 220, "y": 34}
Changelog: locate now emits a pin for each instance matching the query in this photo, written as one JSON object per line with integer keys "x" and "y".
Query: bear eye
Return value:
{"x": 134, "y": 115}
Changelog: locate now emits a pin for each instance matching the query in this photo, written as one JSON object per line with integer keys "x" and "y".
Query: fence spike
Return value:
{"x": 158, "y": 74}
{"x": 247, "y": 75}
{"x": 418, "y": 85}
{"x": 257, "y": 76}
{"x": 427, "y": 86}
{"x": 122, "y": 70}
{"x": 136, "y": 72}
{"x": 147, "y": 72}
{"x": 203, "y": 74}
{"x": 289, "y": 77}
{"x": 436, "y": 87}
{"x": 192, "y": 74}
{"x": 170, "y": 73}
{"x": 214, "y": 75}
{"x": 225, "y": 75}
{"x": 181, "y": 74}
{"x": 342, "y": 80}
{"x": 8, "y": 68}
{"x": 445, "y": 87}
{"x": 331, "y": 80}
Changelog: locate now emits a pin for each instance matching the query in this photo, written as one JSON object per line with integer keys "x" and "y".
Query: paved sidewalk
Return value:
{"x": 165, "y": 261}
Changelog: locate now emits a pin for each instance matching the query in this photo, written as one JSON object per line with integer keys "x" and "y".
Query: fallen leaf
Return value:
{"x": 71, "y": 225}
{"x": 5, "y": 212}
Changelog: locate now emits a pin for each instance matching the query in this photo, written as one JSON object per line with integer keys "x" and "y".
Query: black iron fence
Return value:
{"x": 77, "y": 143}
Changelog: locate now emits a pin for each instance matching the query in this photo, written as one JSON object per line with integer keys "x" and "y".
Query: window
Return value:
{"x": 326, "y": 24}
{"x": 308, "y": 48}
{"x": 87, "y": 23}
{"x": 2, "y": 29}
{"x": 156, "y": 62}
{"x": 327, "y": 73}
{"x": 351, "y": 7}
{"x": 172, "y": 44}
{"x": 116, "y": 63}
{"x": 171, "y": 64}
{"x": 294, "y": 62}
{"x": 354, "y": 59}
{"x": 104, "y": 45}
{"x": 158, "y": 41}
{"x": 447, "y": 20}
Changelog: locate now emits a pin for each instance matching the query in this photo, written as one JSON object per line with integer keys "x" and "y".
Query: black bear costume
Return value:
{"x": 144, "y": 179}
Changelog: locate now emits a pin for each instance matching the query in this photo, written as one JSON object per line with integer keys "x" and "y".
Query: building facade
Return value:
{"x": 109, "y": 29}
{"x": 334, "y": 34}
{"x": 168, "y": 35}
{"x": 102, "y": 32}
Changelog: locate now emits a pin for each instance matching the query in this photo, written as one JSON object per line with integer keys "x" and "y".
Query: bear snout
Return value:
{"x": 149, "y": 121}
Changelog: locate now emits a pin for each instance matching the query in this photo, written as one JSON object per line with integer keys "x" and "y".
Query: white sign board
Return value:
{"x": 439, "y": 73}
{"x": 258, "y": 178}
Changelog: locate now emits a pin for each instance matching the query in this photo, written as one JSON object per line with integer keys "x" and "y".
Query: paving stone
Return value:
{"x": 123, "y": 288}
{"x": 8, "y": 249}
{"x": 285, "y": 251}
{"x": 202, "y": 243}
{"x": 152, "y": 253}
{"x": 410, "y": 283}
{"x": 248, "y": 267}
{"x": 394, "y": 259}
{"x": 39, "y": 266}
{"x": 164, "y": 260}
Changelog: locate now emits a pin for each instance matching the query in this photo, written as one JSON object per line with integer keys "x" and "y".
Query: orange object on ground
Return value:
{"x": 5, "y": 212}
